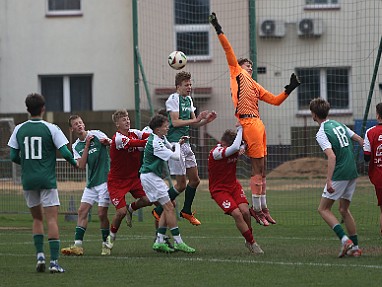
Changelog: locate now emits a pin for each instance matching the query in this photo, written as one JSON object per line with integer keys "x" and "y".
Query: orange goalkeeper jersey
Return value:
{"x": 245, "y": 91}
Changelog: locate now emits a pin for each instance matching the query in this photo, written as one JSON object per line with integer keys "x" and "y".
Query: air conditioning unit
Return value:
{"x": 272, "y": 28}
{"x": 308, "y": 27}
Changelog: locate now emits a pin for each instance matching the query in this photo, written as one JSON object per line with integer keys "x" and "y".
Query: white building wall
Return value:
{"x": 99, "y": 42}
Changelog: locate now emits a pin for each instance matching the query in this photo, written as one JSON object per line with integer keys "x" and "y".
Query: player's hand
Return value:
{"x": 214, "y": 22}
{"x": 293, "y": 84}
{"x": 211, "y": 116}
{"x": 329, "y": 186}
{"x": 183, "y": 139}
{"x": 105, "y": 141}
{"x": 201, "y": 116}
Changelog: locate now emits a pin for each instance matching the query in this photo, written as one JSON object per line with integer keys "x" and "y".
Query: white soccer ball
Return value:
{"x": 177, "y": 60}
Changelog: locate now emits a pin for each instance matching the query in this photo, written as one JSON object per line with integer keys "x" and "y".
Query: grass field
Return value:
{"x": 300, "y": 250}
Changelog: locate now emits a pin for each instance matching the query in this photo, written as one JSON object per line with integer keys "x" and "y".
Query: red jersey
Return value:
{"x": 222, "y": 170}
{"x": 373, "y": 147}
{"x": 125, "y": 154}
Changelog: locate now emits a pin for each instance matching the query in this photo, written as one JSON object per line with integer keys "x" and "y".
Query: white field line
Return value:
{"x": 228, "y": 261}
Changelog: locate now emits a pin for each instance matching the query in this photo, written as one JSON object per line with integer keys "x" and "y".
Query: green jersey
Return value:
{"x": 157, "y": 151}
{"x": 37, "y": 141}
{"x": 337, "y": 136}
{"x": 98, "y": 162}
{"x": 184, "y": 106}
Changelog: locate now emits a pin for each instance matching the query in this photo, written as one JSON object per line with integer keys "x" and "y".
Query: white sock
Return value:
{"x": 344, "y": 239}
{"x": 256, "y": 202}
{"x": 263, "y": 201}
{"x": 40, "y": 254}
{"x": 178, "y": 239}
{"x": 78, "y": 242}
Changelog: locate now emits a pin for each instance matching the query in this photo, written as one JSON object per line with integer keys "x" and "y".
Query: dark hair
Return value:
{"x": 228, "y": 137}
{"x": 72, "y": 118}
{"x": 157, "y": 121}
{"x": 182, "y": 76}
{"x": 320, "y": 107}
{"x": 35, "y": 103}
{"x": 162, "y": 112}
{"x": 379, "y": 109}
{"x": 241, "y": 61}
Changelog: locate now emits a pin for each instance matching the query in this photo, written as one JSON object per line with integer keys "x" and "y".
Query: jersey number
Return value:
{"x": 340, "y": 132}
{"x": 33, "y": 147}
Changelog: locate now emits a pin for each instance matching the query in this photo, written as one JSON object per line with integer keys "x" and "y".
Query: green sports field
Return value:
{"x": 300, "y": 250}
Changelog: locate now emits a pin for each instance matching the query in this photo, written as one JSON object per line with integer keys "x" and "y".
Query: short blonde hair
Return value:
{"x": 119, "y": 114}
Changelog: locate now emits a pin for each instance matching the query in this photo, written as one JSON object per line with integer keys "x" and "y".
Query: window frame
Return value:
{"x": 66, "y": 89}
{"x": 319, "y": 6}
{"x": 63, "y": 12}
{"x": 324, "y": 91}
{"x": 191, "y": 28}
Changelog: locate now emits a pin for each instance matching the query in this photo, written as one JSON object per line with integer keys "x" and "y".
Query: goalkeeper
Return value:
{"x": 246, "y": 93}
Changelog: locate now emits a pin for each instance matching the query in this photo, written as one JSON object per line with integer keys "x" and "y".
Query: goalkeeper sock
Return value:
{"x": 256, "y": 202}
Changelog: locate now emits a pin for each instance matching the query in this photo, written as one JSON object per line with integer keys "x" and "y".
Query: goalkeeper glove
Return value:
{"x": 214, "y": 21}
{"x": 294, "y": 83}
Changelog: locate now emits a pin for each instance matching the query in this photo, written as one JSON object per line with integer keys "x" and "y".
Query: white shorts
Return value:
{"x": 98, "y": 194}
{"x": 155, "y": 188}
{"x": 342, "y": 189}
{"x": 187, "y": 160}
{"x": 45, "y": 197}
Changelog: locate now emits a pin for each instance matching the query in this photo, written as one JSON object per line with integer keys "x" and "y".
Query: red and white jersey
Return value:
{"x": 222, "y": 169}
{"x": 373, "y": 146}
{"x": 125, "y": 154}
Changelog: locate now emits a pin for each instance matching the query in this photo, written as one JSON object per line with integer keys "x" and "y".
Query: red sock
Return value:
{"x": 248, "y": 236}
{"x": 113, "y": 229}
{"x": 134, "y": 206}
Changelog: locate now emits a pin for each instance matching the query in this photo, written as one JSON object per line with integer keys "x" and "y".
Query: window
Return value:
{"x": 331, "y": 84}
{"x": 63, "y": 7}
{"x": 192, "y": 28}
{"x": 67, "y": 93}
{"x": 322, "y": 4}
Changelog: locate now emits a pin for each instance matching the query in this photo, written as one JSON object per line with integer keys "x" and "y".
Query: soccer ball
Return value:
{"x": 177, "y": 60}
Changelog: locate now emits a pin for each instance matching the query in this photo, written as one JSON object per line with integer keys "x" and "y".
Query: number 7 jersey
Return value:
{"x": 37, "y": 141}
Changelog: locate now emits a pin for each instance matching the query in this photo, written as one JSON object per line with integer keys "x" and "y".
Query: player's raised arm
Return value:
{"x": 230, "y": 54}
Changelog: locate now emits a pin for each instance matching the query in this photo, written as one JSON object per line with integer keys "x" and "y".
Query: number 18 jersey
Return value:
{"x": 337, "y": 136}
{"x": 37, "y": 141}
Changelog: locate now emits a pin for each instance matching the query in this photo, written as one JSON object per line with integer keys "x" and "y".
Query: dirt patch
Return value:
{"x": 308, "y": 167}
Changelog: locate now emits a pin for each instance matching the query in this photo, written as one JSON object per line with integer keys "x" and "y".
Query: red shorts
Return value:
{"x": 119, "y": 188}
{"x": 229, "y": 200}
{"x": 378, "y": 193}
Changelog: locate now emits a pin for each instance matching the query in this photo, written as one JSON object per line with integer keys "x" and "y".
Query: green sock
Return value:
{"x": 105, "y": 233}
{"x": 54, "y": 245}
{"x": 80, "y": 233}
{"x": 174, "y": 231}
{"x": 354, "y": 238}
{"x": 188, "y": 199}
{"x": 162, "y": 230}
{"x": 38, "y": 240}
{"x": 339, "y": 231}
{"x": 173, "y": 193}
